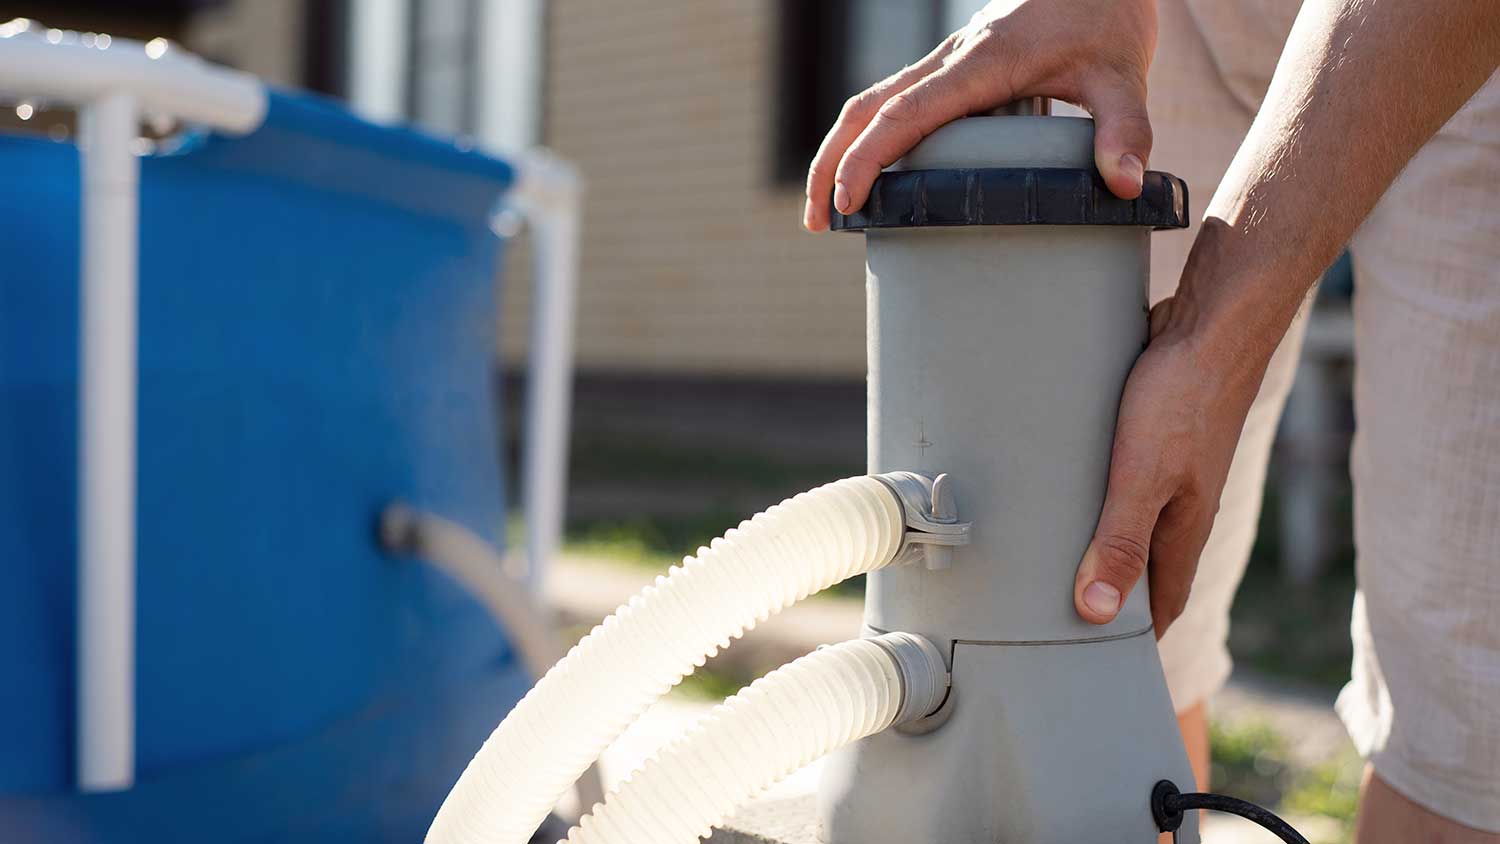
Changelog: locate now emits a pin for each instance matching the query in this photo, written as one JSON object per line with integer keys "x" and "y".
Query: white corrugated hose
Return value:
{"x": 783, "y": 721}
{"x": 800, "y": 546}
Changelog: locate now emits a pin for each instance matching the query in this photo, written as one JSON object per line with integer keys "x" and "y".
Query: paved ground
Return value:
{"x": 585, "y": 591}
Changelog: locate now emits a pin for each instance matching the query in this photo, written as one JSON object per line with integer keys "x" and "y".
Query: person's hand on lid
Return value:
{"x": 1094, "y": 53}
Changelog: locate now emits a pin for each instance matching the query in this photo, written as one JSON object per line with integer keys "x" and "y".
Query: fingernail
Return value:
{"x": 1131, "y": 166}
{"x": 1101, "y": 598}
{"x": 841, "y": 197}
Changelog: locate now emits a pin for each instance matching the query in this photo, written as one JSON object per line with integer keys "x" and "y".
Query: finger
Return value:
{"x": 902, "y": 121}
{"x": 857, "y": 113}
{"x": 1176, "y": 546}
{"x": 1122, "y": 133}
{"x": 1116, "y": 557}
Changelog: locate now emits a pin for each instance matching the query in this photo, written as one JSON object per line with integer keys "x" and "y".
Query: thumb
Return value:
{"x": 1117, "y": 556}
{"x": 1122, "y": 135}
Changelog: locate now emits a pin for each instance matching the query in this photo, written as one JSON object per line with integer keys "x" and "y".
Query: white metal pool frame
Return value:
{"x": 113, "y": 83}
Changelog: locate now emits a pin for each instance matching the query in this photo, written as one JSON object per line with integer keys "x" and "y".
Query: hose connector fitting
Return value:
{"x": 924, "y": 674}
{"x": 931, "y": 515}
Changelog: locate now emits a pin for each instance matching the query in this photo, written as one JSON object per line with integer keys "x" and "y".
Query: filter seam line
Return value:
{"x": 1115, "y": 637}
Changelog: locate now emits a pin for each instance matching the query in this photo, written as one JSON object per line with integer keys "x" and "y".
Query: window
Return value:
{"x": 830, "y": 49}
{"x": 456, "y": 67}
{"x": 324, "y": 46}
{"x": 442, "y": 73}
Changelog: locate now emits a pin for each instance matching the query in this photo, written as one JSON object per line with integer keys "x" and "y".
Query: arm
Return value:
{"x": 1361, "y": 86}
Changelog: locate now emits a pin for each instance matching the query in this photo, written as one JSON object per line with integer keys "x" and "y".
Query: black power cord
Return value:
{"x": 1168, "y": 805}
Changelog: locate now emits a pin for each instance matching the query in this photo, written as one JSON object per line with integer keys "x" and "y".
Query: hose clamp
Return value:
{"x": 931, "y": 517}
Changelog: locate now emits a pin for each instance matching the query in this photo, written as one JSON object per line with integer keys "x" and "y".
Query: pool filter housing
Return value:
{"x": 1007, "y": 303}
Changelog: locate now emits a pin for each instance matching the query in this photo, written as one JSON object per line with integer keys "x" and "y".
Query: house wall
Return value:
{"x": 694, "y": 259}
{"x": 264, "y": 37}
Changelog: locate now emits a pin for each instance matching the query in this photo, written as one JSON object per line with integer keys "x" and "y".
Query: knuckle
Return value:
{"x": 1139, "y": 127}
{"x": 902, "y": 108}
{"x": 1122, "y": 558}
{"x": 858, "y": 107}
{"x": 1210, "y": 512}
{"x": 1201, "y": 497}
{"x": 962, "y": 41}
{"x": 856, "y": 160}
{"x": 979, "y": 33}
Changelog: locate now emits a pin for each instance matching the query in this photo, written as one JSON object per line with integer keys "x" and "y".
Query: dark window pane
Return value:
{"x": 325, "y": 46}
{"x": 828, "y": 50}
{"x": 811, "y": 83}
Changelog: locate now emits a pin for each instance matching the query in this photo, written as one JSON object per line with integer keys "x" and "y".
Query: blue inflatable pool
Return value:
{"x": 317, "y": 325}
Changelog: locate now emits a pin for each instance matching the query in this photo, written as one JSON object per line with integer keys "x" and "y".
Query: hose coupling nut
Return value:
{"x": 924, "y": 674}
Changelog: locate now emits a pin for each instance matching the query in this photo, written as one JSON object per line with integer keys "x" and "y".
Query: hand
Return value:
{"x": 1180, "y": 419}
{"x": 1091, "y": 52}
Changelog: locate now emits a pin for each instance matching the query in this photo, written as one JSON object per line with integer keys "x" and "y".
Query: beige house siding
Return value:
{"x": 694, "y": 260}
{"x": 263, "y": 37}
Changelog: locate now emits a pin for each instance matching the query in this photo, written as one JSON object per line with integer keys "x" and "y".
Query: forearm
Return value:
{"x": 1360, "y": 88}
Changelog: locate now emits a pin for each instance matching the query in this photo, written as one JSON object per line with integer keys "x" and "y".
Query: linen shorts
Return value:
{"x": 1423, "y": 704}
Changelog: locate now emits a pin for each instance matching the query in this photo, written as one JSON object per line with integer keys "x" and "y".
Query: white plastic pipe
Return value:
{"x": 796, "y": 548}
{"x": 474, "y": 564}
{"x": 113, "y": 82}
{"x": 797, "y": 713}
{"x": 54, "y": 64}
{"x": 106, "y": 445}
{"x": 549, "y": 194}
{"x": 464, "y": 556}
{"x": 378, "y": 58}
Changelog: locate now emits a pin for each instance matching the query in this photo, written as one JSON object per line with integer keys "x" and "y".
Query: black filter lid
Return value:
{"x": 1014, "y": 196}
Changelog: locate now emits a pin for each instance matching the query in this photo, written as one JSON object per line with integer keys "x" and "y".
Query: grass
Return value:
{"x": 601, "y": 461}
{"x": 645, "y": 540}
{"x": 708, "y": 685}
{"x": 1254, "y": 762}
{"x": 1297, "y": 632}
{"x": 658, "y": 540}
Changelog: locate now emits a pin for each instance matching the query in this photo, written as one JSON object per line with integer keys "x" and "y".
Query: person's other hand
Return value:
{"x": 1180, "y": 419}
{"x": 1091, "y": 52}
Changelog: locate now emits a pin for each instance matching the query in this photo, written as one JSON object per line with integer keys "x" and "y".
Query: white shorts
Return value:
{"x": 1424, "y": 701}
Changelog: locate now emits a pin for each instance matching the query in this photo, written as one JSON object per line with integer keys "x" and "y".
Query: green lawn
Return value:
{"x": 1253, "y": 761}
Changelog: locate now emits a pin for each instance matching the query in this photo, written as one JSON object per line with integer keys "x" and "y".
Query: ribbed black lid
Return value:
{"x": 1014, "y": 196}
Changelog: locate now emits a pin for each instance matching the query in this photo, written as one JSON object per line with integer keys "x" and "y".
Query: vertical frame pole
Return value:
{"x": 550, "y": 198}
{"x": 107, "y": 445}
